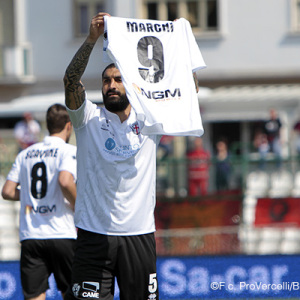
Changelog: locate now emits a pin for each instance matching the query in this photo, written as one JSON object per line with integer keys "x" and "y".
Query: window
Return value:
{"x": 202, "y": 14}
{"x": 84, "y": 11}
{"x": 295, "y": 15}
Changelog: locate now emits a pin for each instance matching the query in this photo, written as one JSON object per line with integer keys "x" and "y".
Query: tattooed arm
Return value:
{"x": 74, "y": 88}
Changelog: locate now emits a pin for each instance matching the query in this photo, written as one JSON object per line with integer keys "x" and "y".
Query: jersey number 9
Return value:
{"x": 151, "y": 56}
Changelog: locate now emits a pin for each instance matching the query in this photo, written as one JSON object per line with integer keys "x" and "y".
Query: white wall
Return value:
{"x": 255, "y": 37}
{"x": 49, "y": 29}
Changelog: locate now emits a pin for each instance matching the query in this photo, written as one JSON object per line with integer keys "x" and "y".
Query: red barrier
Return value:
{"x": 277, "y": 211}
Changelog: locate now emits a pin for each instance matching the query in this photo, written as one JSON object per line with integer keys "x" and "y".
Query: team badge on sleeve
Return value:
{"x": 135, "y": 128}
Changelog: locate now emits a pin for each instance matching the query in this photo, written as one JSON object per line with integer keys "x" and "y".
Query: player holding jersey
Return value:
{"x": 116, "y": 192}
{"x": 116, "y": 188}
{"x": 46, "y": 173}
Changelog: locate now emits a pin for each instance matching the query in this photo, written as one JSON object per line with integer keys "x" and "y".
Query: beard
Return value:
{"x": 115, "y": 103}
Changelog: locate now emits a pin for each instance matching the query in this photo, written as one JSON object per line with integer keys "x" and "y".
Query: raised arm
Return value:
{"x": 74, "y": 89}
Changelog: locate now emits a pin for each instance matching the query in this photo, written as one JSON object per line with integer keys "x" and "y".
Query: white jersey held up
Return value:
{"x": 156, "y": 60}
{"x": 44, "y": 212}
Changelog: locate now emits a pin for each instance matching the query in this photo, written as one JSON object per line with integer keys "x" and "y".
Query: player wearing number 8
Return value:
{"x": 46, "y": 174}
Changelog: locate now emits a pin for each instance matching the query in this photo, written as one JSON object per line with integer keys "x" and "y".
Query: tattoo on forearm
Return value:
{"x": 74, "y": 88}
{"x": 73, "y": 95}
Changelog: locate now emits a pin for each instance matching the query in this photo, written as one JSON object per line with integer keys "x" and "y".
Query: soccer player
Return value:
{"x": 115, "y": 202}
{"x": 116, "y": 192}
{"x": 43, "y": 179}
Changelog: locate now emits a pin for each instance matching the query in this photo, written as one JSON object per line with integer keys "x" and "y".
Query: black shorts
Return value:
{"x": 99, "y": 259}
{"x": 40, "y": 258}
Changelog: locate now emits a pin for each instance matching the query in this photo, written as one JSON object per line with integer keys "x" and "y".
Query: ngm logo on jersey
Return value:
{"x": 165, "y": 95}
{"x": 43, "y": 209}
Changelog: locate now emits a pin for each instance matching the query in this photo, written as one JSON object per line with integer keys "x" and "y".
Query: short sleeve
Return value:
{"x": 80, "y": 116}
{"x": 14, "y": 173}
{"x": 197, "y": 60}
{"x": 68, "y": 161}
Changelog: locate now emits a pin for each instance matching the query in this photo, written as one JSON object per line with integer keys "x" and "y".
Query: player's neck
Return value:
{"x": 124, "y": 115}
{"x": 61, "y": 135}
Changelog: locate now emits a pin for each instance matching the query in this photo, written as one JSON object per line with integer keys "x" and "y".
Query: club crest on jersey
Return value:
{"x": 135, "y": 128}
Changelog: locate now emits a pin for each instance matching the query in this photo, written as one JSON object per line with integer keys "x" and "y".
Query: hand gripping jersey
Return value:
{"x": 156, "y": 60}
{"x": 44, "y": 213}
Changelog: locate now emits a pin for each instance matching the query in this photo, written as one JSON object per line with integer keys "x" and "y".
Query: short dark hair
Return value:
{"x": 57, "y": 117}
{"x": 110, "y": 66}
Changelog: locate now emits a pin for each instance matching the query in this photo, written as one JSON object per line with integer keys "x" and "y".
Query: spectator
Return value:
{"x": 297, "y": 131}
{"x": 223, "y": 166}
{"x": 27, "y": 131}
{"x": 272, "y": 130}
{"x": 262, "y": 145}
{"x": 166, "y": 144}
{"x": 198, "y": 169}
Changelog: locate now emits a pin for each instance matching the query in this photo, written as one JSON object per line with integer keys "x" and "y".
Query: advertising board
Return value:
{"x": 199, "y": 277}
